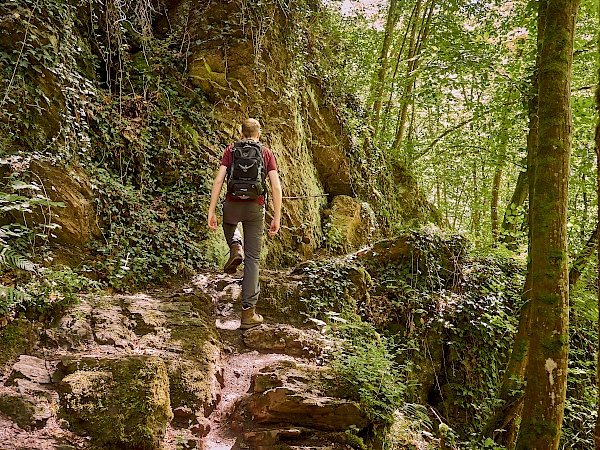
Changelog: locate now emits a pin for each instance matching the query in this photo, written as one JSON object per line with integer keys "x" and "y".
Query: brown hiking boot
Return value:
{"x": 250, "y": 319}
{"x": 236, "y": 256}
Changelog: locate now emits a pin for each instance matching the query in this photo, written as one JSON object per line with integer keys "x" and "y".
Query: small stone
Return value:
{"x": 237, "y": 427}
{"x": 31, "y": 368}
{"x": 24, "y": 410}
{"x": 202, "y": 428}
{"x": 182, "y": 412}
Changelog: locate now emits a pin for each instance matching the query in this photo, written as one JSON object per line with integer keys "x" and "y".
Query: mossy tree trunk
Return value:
{"x": 502, "y": 426}
{"x": 546, "y": 371}
{"x": 509, "y": 223}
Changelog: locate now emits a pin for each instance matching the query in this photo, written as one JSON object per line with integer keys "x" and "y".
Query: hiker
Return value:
{"x": 246, "y": 165}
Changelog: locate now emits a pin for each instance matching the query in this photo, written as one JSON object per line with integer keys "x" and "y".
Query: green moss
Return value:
{"x": 122, "y": 402}
{"x": 520, "y": 350}
{"x": 190, "y": 384}
{"x": 14, "y": 340}
{"x": 535, "y": 430}
{"x": 549, "y": 299}
{"x": 555, "y": 345}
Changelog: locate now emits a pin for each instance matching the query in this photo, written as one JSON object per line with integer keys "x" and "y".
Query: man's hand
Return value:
{"x": 214, "y": 197}
{"x": 212, "y": 221}
{"x": 275, "y": 223}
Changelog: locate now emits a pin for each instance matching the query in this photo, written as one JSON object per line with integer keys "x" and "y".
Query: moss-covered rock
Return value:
{"x": 24, "y": 410}
{"x": 14, "y": 340}
{"x": 294, "y": 394}
{"x": 122, "y": 402}
{"x": 350, "y": 224}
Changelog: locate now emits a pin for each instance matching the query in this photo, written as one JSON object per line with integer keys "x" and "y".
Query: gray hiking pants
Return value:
{"x": 252, "y": 217}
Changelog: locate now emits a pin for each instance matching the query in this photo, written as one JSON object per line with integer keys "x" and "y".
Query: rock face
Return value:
{"x": 77, "y": 222}
{"x": 350, "y": 224}
{"x": 304, "y": 132}
{"x": 248, "y": 59}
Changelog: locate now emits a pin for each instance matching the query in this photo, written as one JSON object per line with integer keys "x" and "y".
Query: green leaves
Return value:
{"x": 10, "y": 298}
{"x": 11, "y": 259}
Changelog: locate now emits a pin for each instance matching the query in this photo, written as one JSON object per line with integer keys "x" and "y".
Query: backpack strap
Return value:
{"x": 264, "y": 177}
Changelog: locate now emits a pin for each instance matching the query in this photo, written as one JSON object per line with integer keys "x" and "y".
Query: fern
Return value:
{"x": 418, "y": 415}
{"x": 14, "y": 260}
{"x": 10, "y": 298}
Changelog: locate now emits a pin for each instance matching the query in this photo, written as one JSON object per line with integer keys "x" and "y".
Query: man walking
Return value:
{"x": 245, "y": 203}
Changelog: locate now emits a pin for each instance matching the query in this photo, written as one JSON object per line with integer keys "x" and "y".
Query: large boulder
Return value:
{"x": 302, "y": 395}
{"x": 178, "y": 330}
{"x": 123, "y": 402}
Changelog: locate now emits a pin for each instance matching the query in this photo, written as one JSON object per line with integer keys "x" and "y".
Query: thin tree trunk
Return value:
{"x": 476, "y": 218}
{"x": 502, "y": 426}
{"x": 494, "y": 203}
{"x": 546, "y": 371}
{"x": 500, "y": 164}
{"x": 399, "y": 59}
{"x": 509, "y": 223}
{"x": 417, "y": 41}
{"x": 410, "y": 68}
{"x": 378, "y": 87}
{"x": 583, "y": 258}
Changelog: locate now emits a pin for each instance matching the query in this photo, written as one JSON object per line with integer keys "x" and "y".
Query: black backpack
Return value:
{"x": 246, "y": 177}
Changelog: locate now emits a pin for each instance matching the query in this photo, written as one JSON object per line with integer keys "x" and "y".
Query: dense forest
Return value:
{"x": 439, "y": 229}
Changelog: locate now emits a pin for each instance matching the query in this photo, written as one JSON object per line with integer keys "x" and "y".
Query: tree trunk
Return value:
{"x": 502, "y": 426}
{"x": 546, "y": 371}
{"x": 476, "y": 217}
{"x": 411, "y": 66}
{"x": 378, "y": 87}
{"x": 583, "y": 258}
{"x": 419, "y": 34}
{"x": 500, "y": 164}
{"x": 509, "y": 223}
{"x": 494, "y": 203}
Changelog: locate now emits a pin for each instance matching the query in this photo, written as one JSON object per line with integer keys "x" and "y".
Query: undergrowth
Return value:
{"x": 132, "y": 121}
{"x": 434, "y": 328}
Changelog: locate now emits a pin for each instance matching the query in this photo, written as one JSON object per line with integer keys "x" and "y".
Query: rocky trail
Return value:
{"x": 171, "y": 370}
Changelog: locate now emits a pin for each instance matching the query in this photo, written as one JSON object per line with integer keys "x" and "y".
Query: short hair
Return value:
{"x": 251, "y": 128}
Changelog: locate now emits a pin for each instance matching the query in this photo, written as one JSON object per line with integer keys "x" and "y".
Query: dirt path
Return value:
{"x": 240, "y": 363}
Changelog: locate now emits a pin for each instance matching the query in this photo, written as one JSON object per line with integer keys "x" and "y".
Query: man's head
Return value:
{"x": 251, "y": 129}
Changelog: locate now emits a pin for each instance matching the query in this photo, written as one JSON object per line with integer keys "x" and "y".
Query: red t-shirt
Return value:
{"x": 270, "y": 164}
